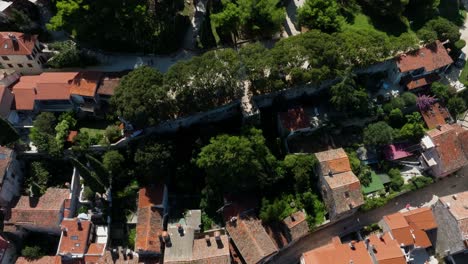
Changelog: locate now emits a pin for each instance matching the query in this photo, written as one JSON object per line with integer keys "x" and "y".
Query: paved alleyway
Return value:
{"x": 447, "y": 186}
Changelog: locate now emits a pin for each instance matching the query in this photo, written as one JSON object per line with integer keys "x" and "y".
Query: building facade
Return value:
{"x": 21, "y": 52}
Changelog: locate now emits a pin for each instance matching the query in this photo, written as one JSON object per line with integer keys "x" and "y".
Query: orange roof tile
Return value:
{"x": 150, "y": 221}
{"x": 386, "y": 250}
{"x": 52, "y": 91}
{"x": 96, "y": 249}
{"x": 435, "y": 116}
{"x": 86, "y": 83}
{"x": 338, "y": 253}
{"x": 16, "y": 43}
{"x": 24, "y": 99}
{"x": 44, "y": 211}
{"x": 431, "y": 57}
{"x": 335, "y": 160}
{"x": 449, "y": 146}
{"x": 423, "y": 81}
{"x": 421, "y": 218}
{"x": 43, "y": 260}
{"x": 75, "y": 239}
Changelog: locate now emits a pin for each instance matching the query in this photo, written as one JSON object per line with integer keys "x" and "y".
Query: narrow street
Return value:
{"x": 447, "y": 186}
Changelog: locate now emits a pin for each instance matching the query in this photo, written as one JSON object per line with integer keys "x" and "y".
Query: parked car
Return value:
{"x": 461, "y": 60}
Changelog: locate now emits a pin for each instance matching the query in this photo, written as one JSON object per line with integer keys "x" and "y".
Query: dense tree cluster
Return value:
{"x": 247, "y": 17}
{"x": 320, "y": 14}
{"x": 122, "y": 25}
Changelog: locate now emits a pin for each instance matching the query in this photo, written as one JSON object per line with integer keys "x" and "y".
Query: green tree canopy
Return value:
{"x": 205, "y": 81}
{"x": 320, "y": 14}
{"x": 42, "y": 134}
{"x": 300, "y": 167}
{"x": 456, "y": 105}
{"x": 239, "y": 163}
{"x": 443, "y": 29}
{"x": 90, "y": 177}
{"x": 379, "y": 133}
{"x": 154, "y": 158}
{"x": 347, "y": 96}
{"x": 113, "y": 161}
{"x": 142, "y": 99}
{"x": 396, "y": 181}
{"x": 32, "y": 253}
{"x": 261, "y": 17}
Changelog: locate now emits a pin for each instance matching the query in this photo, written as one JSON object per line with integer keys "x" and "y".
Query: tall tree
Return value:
{"x": 379, "y": 133}
{"x": 320, "y": 14}
{"x": 142, "y": 99}
{"x": 154, "y": 158}
{"x": 387, "y": 8}
{"x": 239, "y": 163}
{"x": 347, "y": 96}
{"x": 300, "y": 167}
{"x": 443, "y": 29}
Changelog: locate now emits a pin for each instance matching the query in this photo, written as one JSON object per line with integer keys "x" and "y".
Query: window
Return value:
{"x": 346, "y": 194}
{"x": 5, "y": 58}
{"x": 20, "y": 65}
{"x": 30, "y": 65}
{"x": 74, "y": 237}
{"x": 10, "y": 65}
{"x": 29, "y": 57}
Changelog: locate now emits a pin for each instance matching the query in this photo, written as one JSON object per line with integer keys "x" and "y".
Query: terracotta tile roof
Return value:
{"x": 86, "y": 83}
{"x": 52, "y": 91}
{"x": 297, "y": 225}
{"x": 204, "y": 253}
{"x": 47, "y": 86}
{"x": 334, "y": 160}
{"x": 110, "y": 81}
{"x": 44, "y": 211}
{"x": 5, "y": 161}
{"x": 458, "y": 207}
{"x": 338, "y": 253}
{"x": 71, "y": 136}
{"x": 435, "y": 116}
{"x": 96, "y": 249}
{"x": 422, "y": 81}
{"x": 421, "y": 218}
{"x": 294, "y": 119}
{"x": 449, "y": 147}
{"x": 150, "y": 196}
{"x": 409, "y": 228}
{"x": 6, "y": 101}
{"x": 150, "y": 221}
{"x": 16, "y": 43}
{"x": 75, "y": 239}
{"x": 24, "y": 99}
{"x": 43, "y": 260}
{"x": 431, "y": 57}
{"x": 386, "y": 250}
{"x": 248, "y": 235}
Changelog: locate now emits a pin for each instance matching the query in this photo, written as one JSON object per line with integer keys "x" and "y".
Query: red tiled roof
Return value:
{"x": 202, "y": 253}
{"x": 449, "y": 146}
{"x": 435, "y": 116}
{"x": 16, "y": 43}
{"x": 409, "y": 228}
{"x": 24, "y": 99}
{"x": 334, "y": 160}
{"x": 44, "y": 211}
{"x": 47, "y": 86}
{"x": 43, "y": 260}
{"x": 294, "y": 119}
{"x": 386, "y": 250}
{"x": 431, "y": 57}
{"x": 75, "y": 239}
{"x": 338, "y": 253}
{"x": 71, "y": 136}
{"x": 297, "y": 225}
{"x": 110, "y": 81}
{"x": 150, "y": 221}
{"x": 86, "y": 83}
{"x": 6, "y": 100}
{"x": 423, "y": 81}
{"x": 96, "y": 249}
{"x": 248, "y": 235}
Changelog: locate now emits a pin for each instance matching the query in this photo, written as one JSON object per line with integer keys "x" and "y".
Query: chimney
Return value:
{"x": 447, "y": 205}
{"x": 381, "y": 237}
{"x": 208, "y": 241}
{"x": 351, "y": 245}
{"x": 454, "y": 196}
{"x": 366, "y": 242}
{"x": 439, "y": 127}
{"x": 233, "y": 219}
{"x": 218, "y": 240}
{"x": 65, "y": 231}
{"x": 330, "y": 173}
{"x": 78, "y": 222}
{"x": 292, "y": 218}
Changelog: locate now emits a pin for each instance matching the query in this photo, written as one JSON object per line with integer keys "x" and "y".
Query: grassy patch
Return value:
{"x": 92, "y": 132}
{"x": 364, "y": 22}
{"x": 375, "y": 185}
{"x": 464, "y": 75}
